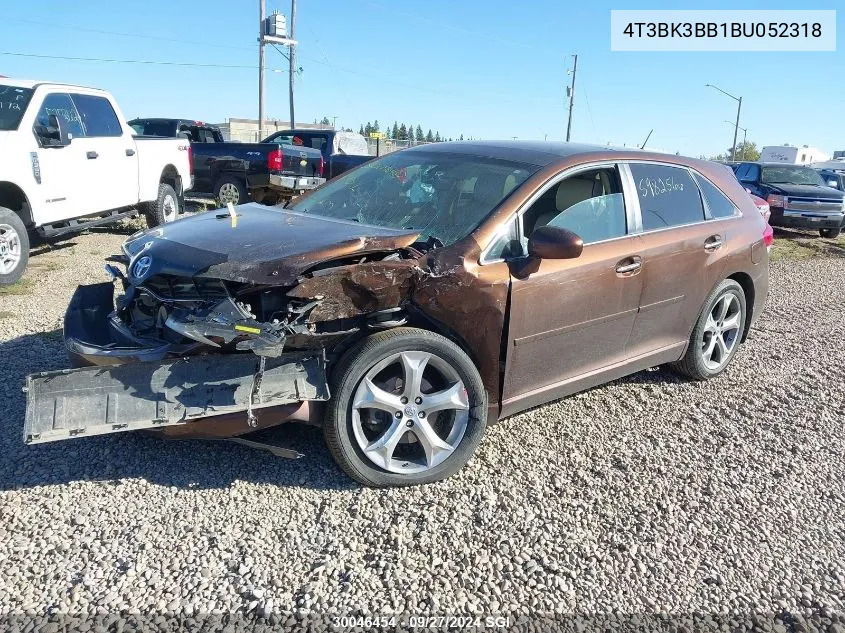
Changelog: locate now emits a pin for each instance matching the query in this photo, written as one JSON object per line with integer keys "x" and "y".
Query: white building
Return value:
{"x": 803, "y": 155}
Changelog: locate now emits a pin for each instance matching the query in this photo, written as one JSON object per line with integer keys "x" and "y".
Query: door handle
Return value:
{"x": 629, "y": 265}
{"x": 713, "y": 243}
{"x": 130, "y": 152}
{"x": 91, "y": 155}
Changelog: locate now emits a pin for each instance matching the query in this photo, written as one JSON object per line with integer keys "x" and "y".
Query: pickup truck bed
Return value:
{"x": 233, "y": 171}
{"x": 341, "y": 150}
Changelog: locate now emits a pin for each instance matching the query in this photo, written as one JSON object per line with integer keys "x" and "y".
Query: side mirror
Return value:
{"x": 60, "y": 125}
{"x": 552, "y": 242}
{"x": 831, "y": 183}
{"x": 55, "y": 134}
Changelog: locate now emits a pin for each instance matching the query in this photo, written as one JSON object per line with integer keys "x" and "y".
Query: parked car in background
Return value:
{"x": 835, "y": 179}
{"x": 797, "y": 195}
{"x": 341, "y": 150}
{"x": 69, "y": 161}
{"x": 237, "y": 172}
{"x": 407, "y": 303}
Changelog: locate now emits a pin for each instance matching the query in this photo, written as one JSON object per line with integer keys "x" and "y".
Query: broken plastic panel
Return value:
{"x": 111, "y": 399}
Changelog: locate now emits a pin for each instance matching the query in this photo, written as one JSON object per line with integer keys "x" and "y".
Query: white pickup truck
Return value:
{"x": 69, "y": 161}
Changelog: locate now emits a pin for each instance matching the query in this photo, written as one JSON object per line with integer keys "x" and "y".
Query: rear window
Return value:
{"x": 668, "y": 196}
{"x": 719, "y": 204}
{"x": 97, "y": 116}
{"x": 154, "y": 128}
{"x": 13, "y": 102}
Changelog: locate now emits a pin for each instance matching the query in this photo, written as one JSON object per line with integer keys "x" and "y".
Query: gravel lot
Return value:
{"x": 648, "y": 495}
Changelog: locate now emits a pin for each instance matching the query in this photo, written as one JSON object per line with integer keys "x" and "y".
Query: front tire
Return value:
{"x": 166, "y": 207}
{"x": 408, "y": 407}
{"x": 14, "y": 247}
{"x": 830, "y": 233}
{"x": 716, "y": 335}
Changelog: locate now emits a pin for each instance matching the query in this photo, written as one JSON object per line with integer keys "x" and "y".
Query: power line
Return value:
{"x": 66, "y": 27}
{"x": 130, "y": 61}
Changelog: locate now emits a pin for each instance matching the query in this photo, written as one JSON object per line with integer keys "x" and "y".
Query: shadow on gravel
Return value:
{"x": 188, "y": 464}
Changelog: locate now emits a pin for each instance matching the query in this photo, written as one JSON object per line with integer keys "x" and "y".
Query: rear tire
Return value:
{"x": 830, "y": 233}
{"x": 717, "y": 333}
{"x": 14, "y": 247}
{"x": 164, "y": 209}
{"x": 231, "y": 189}
{"x": 426, "y": 446}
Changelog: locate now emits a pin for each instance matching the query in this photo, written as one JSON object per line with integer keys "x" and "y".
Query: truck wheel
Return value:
{"x": 830, "y": 233}
{"x": 231, "y": 189}
{"x": 408, "y": 407}
{"x": 166, "y": 207}
{"x": 14, "y": 247}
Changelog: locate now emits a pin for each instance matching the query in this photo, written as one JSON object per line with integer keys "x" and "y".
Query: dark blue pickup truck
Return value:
{"x": 237, "y": 172}
{"x": 341, "y": 150}
{"x": 797, "y": 196}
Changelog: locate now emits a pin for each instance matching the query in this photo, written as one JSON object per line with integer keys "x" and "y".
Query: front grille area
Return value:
{"x": 171, "y": 288}
{"x": 813, "y": 205}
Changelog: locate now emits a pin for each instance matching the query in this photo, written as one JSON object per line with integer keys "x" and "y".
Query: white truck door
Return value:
{"x": 115, "y": 159}
{"x": 62, "y": 184}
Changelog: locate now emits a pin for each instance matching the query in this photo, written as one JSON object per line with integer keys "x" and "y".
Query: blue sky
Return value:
{"x": 478, "y": 67}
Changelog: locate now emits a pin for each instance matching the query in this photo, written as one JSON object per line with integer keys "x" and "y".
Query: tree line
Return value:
{"x": 744, "y": 151}
{"x": 403, "y": 132}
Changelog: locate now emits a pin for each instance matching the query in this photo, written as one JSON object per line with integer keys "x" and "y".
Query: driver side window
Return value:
{"x": 589, "y": 203}
{"x": 61, "y": 105}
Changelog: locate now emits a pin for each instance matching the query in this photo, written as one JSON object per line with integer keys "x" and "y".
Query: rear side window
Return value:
{"x": 60, "y": 104}
{"x": 668, "y": 196}
{"x": 719, "y": 204}
{"x": 97, "y": 116}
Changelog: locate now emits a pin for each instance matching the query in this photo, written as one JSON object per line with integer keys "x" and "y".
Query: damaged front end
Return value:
{"x": 174, "y": 348}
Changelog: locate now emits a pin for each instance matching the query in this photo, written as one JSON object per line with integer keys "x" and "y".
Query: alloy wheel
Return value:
{"x": 721, "y": 331}
{"x": 229, "y": 193}
{"x": 10, "y": 249}
{"x": 410, "y": 412}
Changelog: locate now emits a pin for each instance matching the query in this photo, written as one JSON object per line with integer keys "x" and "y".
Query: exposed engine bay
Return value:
{"x": 328, "y": 302}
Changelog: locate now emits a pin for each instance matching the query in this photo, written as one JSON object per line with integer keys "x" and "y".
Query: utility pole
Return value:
{"x": 261, "y": 15}
{"x": 291, "y": 57}
{"x": 571, "y": 99}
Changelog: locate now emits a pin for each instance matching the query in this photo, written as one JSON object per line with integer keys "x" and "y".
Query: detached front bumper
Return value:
{"x": 149, "y": 385}
{"x": 95, "y": 336}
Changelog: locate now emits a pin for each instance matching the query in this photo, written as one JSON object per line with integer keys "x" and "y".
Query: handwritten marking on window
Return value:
{"x": 655, "y": 187}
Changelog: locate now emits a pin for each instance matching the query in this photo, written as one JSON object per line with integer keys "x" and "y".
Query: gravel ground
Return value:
{"x": 648, "y": 495}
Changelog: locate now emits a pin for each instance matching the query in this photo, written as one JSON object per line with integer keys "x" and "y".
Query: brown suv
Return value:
{"x": 407, "y": 303}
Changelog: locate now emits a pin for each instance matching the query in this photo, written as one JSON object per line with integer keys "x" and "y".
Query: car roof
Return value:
{"x": 35, "y": 83}
{"x": 535, "y": 152}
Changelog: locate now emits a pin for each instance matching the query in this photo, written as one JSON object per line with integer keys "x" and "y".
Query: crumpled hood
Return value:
{"x": 265, "y": 245}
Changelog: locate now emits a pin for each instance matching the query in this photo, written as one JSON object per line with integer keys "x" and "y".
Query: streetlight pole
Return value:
{"x": 744, "y": 138}
{"x": 571, "y": 91}
{"x": 738, "y": 109}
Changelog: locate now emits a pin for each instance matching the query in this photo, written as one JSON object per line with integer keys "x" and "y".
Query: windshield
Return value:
{"x": 443, "y": 196}
{"x": 791, "y": 175}
{"x": 13, "y": 102}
